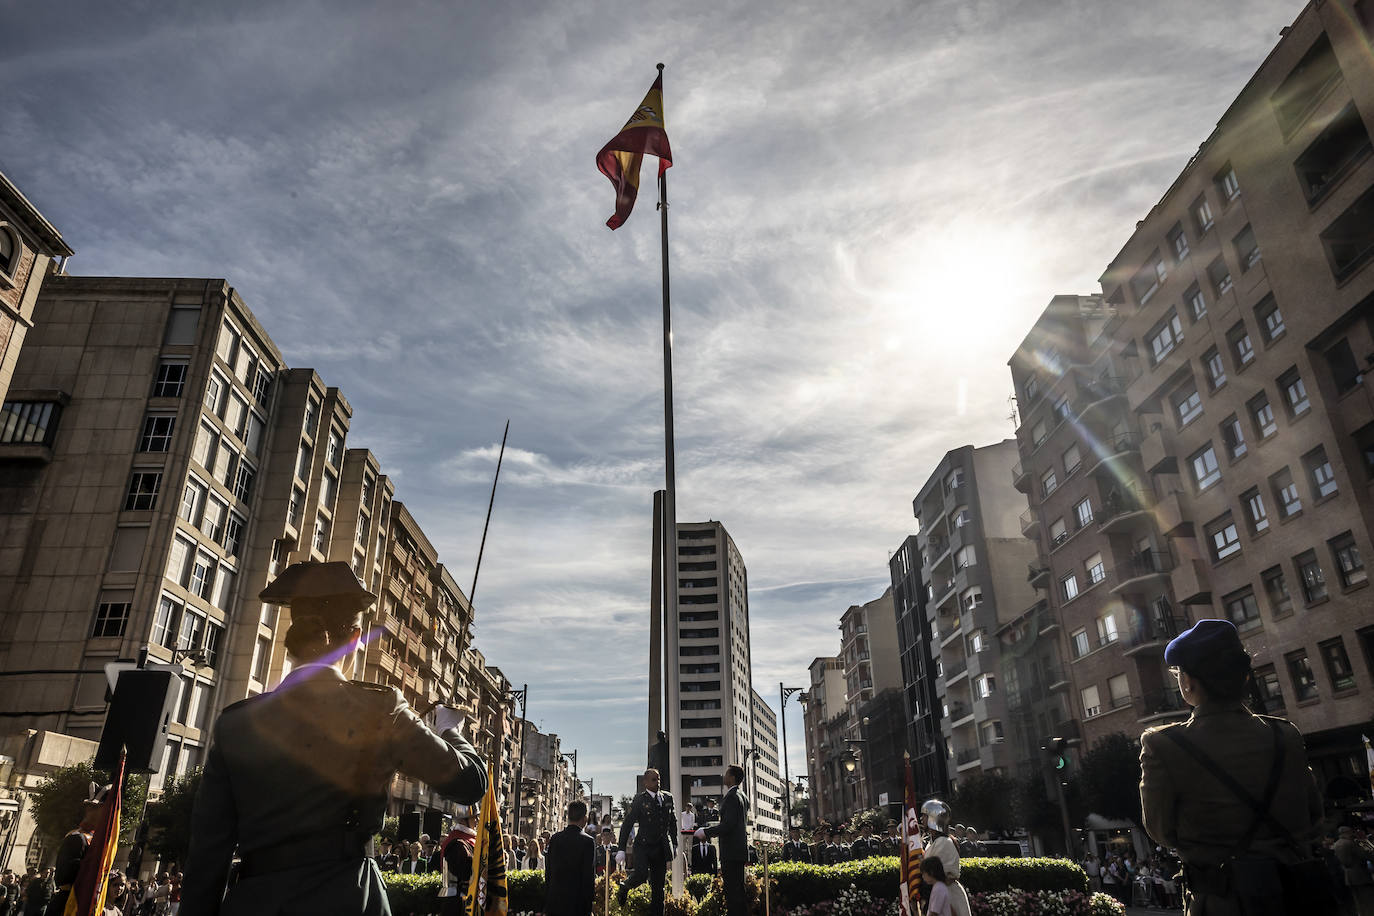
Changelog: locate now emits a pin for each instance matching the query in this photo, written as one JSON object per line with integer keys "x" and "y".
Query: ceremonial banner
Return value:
{"x": 87, "y": 897}
{"x": 487, "y": 888}
{"x": 619, "y": 160}
{"x": 909, "y": 895}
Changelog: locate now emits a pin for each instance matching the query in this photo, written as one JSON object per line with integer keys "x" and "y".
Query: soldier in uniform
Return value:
{"x": 794, "y": 850}
{"x": 1226, "y": 783}
{"x": 655, "y": 844}
{"x": 296, "y": 779}
{"x": 867, "y": 845}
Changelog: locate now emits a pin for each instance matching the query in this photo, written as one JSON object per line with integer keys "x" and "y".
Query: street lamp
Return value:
{"x": 784, "y": 693}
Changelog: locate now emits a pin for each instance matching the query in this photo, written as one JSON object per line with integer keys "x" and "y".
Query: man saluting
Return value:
{"x": 656, "y": 843}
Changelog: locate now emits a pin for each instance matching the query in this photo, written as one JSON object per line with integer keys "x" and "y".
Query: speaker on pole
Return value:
{"x": 434, "y": 825}
{"x": 142, "y": 707}
{"x": 408, "y": 829}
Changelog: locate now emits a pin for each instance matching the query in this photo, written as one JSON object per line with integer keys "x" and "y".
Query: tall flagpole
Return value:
{"x": 673, "y": 713}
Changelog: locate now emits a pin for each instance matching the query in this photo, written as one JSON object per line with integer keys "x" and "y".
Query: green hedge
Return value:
{"x": 419, "y": 894}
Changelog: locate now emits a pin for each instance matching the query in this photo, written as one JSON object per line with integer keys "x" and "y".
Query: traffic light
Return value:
{"x": 1056, "y": 753}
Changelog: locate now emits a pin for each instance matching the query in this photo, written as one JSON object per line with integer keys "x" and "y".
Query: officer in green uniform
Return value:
{"x": 1229, "y": 790}
{"x": 297, "y": 778}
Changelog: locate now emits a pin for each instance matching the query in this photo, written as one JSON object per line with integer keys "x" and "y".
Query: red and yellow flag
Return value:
{"x": 912, "y": 848}
{"x": 620, "y": 159}
{"x": 487, "y": 890}
{"x": 87, "y": 897}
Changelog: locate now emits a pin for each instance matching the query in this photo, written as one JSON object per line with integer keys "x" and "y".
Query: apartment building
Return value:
{"x": 973, "y": 562}
{"x": 30, "y": 247}
{"x": 824, "y": 704}
{"x": 547, "y": 783}
{"x": 766, "y": 790}
{"x": 872, "y": 669}
{"x": 714, "y": 675}
{"x": 1228, "y": 368}
{"x": 917, "y": 652}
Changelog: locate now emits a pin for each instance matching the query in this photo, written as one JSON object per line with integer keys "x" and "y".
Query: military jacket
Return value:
{"x": 656, "y": 816}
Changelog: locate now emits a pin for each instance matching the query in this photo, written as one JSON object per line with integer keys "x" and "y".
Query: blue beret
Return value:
{"x": 1206, "y": 644}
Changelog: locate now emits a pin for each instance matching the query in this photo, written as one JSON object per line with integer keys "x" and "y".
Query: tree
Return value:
{"x": 390, "y": 827}
{"x": 1110, "y": 778}
{"x": 875, "y": 817}
{"x": 169, "y": 818}
{"x": 981, "y": 800}
{"x": 57, "y": 802}
{"x": 624, "y": 805}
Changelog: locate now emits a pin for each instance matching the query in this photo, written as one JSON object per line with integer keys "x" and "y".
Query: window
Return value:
{"x": 1083, "y": 511}
{"x": 1147, "y": 279}
{"x": 321, "y": 541}
{"x": 1310, "y": 577}
{"x": 1267, "y": 692}
{"x": 142, "y": 494}
{"x": 1263, "y": 415}
{"x": 1242, "y": 350}
{"x": 1080, "y": 643}
{"x": 1039, "y": 433}
{"x": 181, "y": 327}
{"x": 1206, "y": 470}
{"x": 1226, "y": 182}
{"x": 1319, "y": 472}
{"x": 1270, "y": 319}
{"x": 171, "y": 378}
{"x": 1072, "y": 459}
{"x": 1337, "y": 664}
{"x": 1219, "y": 275}
{"x": 965, "y": 557}
{"x": 1241, "y": 608}
{"x": 1345, "y": 372}
{"x": 262, "y": 385}
{"x": 262, "y": 659}
{"x": 1164, "y": 337}
{"x": 235, "y": 413}
{"x": 961, "y": 517}
{"x": 303, "y": 461}
{"x": 335, "y": 450}
{"x": 233, "y": 534}
{"x": 214, "y": 634}
{"x": 1305, "y": 85}
{"x": 243, "y": 481}
{"x": 1247, "y": 249}
{"x": 28, "y": 422}
{"x": 1062, "y": 409}
{"x": 985, "y": 686}
{"x": 971, "y": 598}
{"x": 1233, "y": 437}
{"x": 10, "y": 249}
{"x": 1197, "y": 303}
{"x": 1106, "y": 629}
{"x": 246, "y": 366}
{"x": 1096, "y": 571}
{"x": 1286, "y": 493}
{"x": 212, "y": 519}
{"x": 312, "y": 414}
{"x": 1059, "y": 532}
{"x": 202, "y": 575}
{"x": 1178, "y": 241}
{"x": 1202, "y": 214}
{"x": 1349, "y": 240}
{"x": 329, "y": 489}
{"x": 1049, "y": 482}
{"x": 1349, "y": 563}
{"x": 111, "y": 617}
{"x": 223, "y": 471}
{"x": 1068, "y": 586}
{"x": 164, "y": 620}
{"x": 978, "y": 642}
{"x": 1255, "y": 514}
{"x": 192, "y": 498}
{"x": 1304, "y": 681}
{"x": 1187, "y": 405}
{"x": 1294, "y": 393}
{"x": 224, "y": 588}
{"x": 1342, "y": 144}
{"x": 1119, "y": 691}
{"x": 954, "y": 480}
{"x": 293, "y": 508}
{"x": 1215, "y": 368}
{"x": 157, "y": 433}
{"x": 1092, "y": 704}
{"x": 991, "y": 732}
{"x": 1276, "y": 591}
{"x": 214, "y": 394}
{"x": 253, "y": 429}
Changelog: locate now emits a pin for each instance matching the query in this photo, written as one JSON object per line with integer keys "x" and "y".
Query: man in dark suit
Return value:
{"x": 655, "y": 844}
{"x": 734, "y": 841}
{"x": 794, "y": 850}
{"x": 703, "y": 856}
{"x": 867, "y": 845}
{"x": 386, "y": 859}
{"x": 569, "y": 867}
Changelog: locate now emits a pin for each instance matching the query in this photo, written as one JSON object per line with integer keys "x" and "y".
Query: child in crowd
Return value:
{"x": 933, "y": 873}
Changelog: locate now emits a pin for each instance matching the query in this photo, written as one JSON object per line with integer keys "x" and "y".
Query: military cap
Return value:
{"x": 332, "y": 586}
{"x": 1208, "y": 644}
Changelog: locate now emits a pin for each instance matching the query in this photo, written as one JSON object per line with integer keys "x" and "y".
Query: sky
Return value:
{"x": 871, "y": 203}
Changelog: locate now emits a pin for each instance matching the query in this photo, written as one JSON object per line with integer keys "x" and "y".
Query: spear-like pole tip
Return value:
{"x": 660, "y": 68}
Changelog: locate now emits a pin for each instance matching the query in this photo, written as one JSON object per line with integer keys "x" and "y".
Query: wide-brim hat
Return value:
{"x": 332, "y": 585}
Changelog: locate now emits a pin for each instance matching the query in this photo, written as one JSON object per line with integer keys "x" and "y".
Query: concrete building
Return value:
{"x": 973, "y": 561}
{"x": 1228, "y": 368}
{"x": 872, "y": 668}
{"x": 30, "y": 247}
{"x": 547, "y": 786}
{"x": 831, "y": 796}
{"x": 917, "y": 652}
{"x": 714, "y": 673}
{"x": 766, "y": 791}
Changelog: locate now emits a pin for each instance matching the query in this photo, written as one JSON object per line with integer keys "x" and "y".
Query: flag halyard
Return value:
{"x": 621, "y": 158}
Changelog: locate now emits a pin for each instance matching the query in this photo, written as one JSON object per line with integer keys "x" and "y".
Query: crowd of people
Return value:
{"x": 33, "y": 894}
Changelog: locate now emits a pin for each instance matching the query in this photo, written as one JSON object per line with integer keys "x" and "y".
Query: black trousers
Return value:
{"x": 732, "y": 876}
{"x": 653, "y": 871}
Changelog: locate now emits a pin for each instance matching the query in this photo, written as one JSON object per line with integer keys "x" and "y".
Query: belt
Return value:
{"x": 300, "y": 852}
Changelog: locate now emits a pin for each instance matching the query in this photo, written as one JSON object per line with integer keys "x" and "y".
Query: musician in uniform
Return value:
{"x": 296, "y": 779}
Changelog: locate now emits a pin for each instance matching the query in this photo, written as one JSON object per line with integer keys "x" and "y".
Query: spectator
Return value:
{"x": 1354, "y": 852}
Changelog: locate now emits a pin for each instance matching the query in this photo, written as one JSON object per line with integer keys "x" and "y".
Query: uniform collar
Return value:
{"x": 1219, "y": 708}
{"x": 312, "y": 671}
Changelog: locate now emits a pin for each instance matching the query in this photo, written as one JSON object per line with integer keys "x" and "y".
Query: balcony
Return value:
{"x": 1159, "y": 451}
{"x": 1192, "y": 582}
{"x": 1020, "y": 477}
{"x": 958, "y": 712}
{"x": 1143, "y": 568}
{"x": 967, "y": 759}
{"x": 1029, "y": 524}
{"x": 1150, "y": 634}
{"x": 1056, "y": 679}
{"x": 1100, "y": 395}
{"x": 956, "y": 670}
{"x": 1123, "y": 507}
{"x": 1169, "y": 514}
{"x": 1161, "y": 705}
{"x": 1038, "y": 576}
{"x": 1111, "y": 452}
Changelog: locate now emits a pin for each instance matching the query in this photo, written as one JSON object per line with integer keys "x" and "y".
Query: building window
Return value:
{"x": 262, "y": 385}
{"x": 1304, "y": 681}
{"x": 171, "y": 378}
{"x": 1337, "y": 148}
{"x": 1263, "y": 415}
{"x": 1223, "y": 537}
{"x": 1270, "y": 319}
{"x": 954, "y": 480}
{"x": 1081, "y": 646}
{"x": 972, "y": 598}
{"x": 335, "y": 448}
{"x": 262, "y": 658}
{"x": 1227, "y": 184}
{"x": 1072, "y": 460}
{"x": 202, "y": 575}
{"x": 293, "y": 508}
{"x": 29, "y": 422}
{"x": 1319, "y": 472}
{"x": 1294, "y": 393}
{"x": 1233, "y": 437}
{"x": 1301, "y": 89}
{"x": 1068, "y": 586}
{"x": 1164, "y": 338}
{"x": 965, "y": 557}
{"x": 960, "y": 517}
{"x": 192, "y": 498}
{"x": 1106, "y": 629}
{"x": 303, "y": 461}
{"x": 1241, "y": 607}
{"x": 1146, "y": 281}
{"x": 212, "y": 519}
{"x": 111, "y": 617}
{"x": 1267, "y": 692}
{"x": 10, "y": 249}
{"x": 157, "y": 433}
{"x": 1062, "y": 409}
{"x": 1049, "y": 482}
{"x": 1178, "y": 241}
{"x": 1286, "y": 493}
{"x": 1276, "y": 590}
{"x": 1202, "y": 214}
{"x": 1337, "y": 664}
{"x": 1349, "y": 563}
{"x": 1349, "y": 240}
{"x": 1187, "y": 405}
{"x": 1092, "y": 704}
{"x": 164, "y": 621}
{"x": 1059, "y": 532}
{"x": 1255, "y": 513}
{"x": 1242, "y": 350}
{"x": 1096, "y": 570}
{"x": 1197, "y": 303}
{"x": 985, "y": 686}
{"x": 1215, "y": 368}
{"x": 1119, "y": 691}
{"x": 233, "y": 534}
{"x": 1219, "y": 275}
{"x": 1310, "y": 577}
{"x": 142, "y": 494}
{"x": 1247, "y": 249}
{"x": 321, "y": 540}
{"x": 991, "y": 732}
{"x": 243, "y": 481}
{"x": 1206, "y": 470}
{"x": 1345, "y": 372}
{"x": 214, "y": 635}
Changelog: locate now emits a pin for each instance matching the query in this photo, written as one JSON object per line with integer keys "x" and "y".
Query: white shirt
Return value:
{"x": 689, "y": 821}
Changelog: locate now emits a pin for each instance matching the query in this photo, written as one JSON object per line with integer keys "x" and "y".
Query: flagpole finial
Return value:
{"x": 660, "y": 68}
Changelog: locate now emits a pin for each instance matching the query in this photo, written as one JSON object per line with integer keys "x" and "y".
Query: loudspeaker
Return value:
{"x": 408, "y": 831}
{"x": 434, "y": 825}
{"x": 142, "y": 707}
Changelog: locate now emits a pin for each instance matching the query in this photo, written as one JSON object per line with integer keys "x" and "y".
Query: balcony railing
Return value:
{"x": 1121, "y": 501}
{"x": 967, "y": 756}
{"x": 1150, "y": 628}
{"x": 1161, "y": 703}
{"x": 1038, "y": 576}
{"x": 1122, "y": 444}
{"x": 1100, "y": 390}
{"x": 1144, "y": 563}
{"x": 954, "y": 669}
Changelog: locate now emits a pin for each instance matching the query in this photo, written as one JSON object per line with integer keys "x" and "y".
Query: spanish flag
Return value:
{"x": 87, "y": 897}
{"x": 619, "y": 160}
{"x": 487, "y": 888}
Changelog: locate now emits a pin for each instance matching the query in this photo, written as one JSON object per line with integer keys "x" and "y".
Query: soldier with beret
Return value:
{"x": 296, "y": 779}
{"x": 1229, "y": 790}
